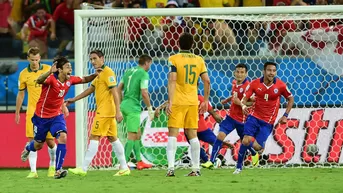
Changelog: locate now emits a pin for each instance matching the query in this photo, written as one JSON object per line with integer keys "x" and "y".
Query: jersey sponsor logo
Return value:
{"x": 111, "y": 79}
{"x": 276, "y": 90}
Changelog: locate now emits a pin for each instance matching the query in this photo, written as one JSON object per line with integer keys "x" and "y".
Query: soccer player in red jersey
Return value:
{"x": 260, "y": 121}
{"x": 235, "y": 117}
{"x": 48, "y": 115}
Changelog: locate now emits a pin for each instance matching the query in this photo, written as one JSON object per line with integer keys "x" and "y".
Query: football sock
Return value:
{"x": 241, "y": 156}
{"x": 137, "y": 150}
{"x": 33, "y": 160}
{"x": 60, "y": 155}
{"x": 31, "y": 146}
{"x": 251, "y": 149}
{"x": 90, "y": 153}
{"x": 118, "y": 149}
{"x": 203, "y": 155}
{"x": 52, "y": 155}
{"x": 171, "y": 150}
{"x": 128, "y": 149}
{"x": 216, "y": 148}
{"x": 195, "y": 153}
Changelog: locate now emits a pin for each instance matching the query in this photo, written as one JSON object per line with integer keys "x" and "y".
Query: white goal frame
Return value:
{"x": 79, "y": 41}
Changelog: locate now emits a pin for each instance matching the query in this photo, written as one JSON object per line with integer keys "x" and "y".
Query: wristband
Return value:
{"x": 285, "y": 114}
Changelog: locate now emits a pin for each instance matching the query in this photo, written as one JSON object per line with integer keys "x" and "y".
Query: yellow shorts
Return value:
{"x": 184, "y": 116}
{"x": 29, "y": 128}
{"x": 104, "y": 126}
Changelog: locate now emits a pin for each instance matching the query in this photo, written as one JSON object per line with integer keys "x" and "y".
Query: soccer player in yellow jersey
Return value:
{"x": 107, "y": 113}
{"x": 185, "y": 70}
{"x": 27, "y": 81}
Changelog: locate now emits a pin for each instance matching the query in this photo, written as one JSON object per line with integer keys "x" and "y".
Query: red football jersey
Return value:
{"x": 267, "y": 98}
{"x": 52, "y": 96}
{"x": 202, "y": 126}
{"x": 235, "y": 111}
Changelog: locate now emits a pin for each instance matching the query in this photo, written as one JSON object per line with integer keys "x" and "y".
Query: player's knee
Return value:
{"x": 173, "y": 132}
{"x": 191, "y": 133}
{"x": 62, "y": 137}
{"x": 246, "y": 141}
{"x": 132, "y": 136}
{"x": 50, "y": 143}
{"x": 38, "y": 146}
{"x": 257, "y": 146}
{"x": 112, "y": 139}
{"x": 221, "y": 136}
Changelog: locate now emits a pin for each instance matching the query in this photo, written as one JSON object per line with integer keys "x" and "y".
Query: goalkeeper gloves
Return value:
{"x": 151, "y": 113}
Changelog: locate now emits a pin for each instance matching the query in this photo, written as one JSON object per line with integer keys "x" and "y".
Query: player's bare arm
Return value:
{"x": 146, "y": 100}
{"x": 207, "y": 86}
{"x": 65, "y": 109}
{"x": 171, "y": 89}
{"x": 18, "y": 104}
{"x": 215, "y": 115}
{"x": 120, "y": 91}
{"x": 290, "y": 103}
{"x": 119, "y": 116}
{"x": 244, "y": 105}
{"x": 90, "y": 78}
{"x": 41, "y": 79}
{"x": 225, "y": 101}
{"x": 84, "y": 94}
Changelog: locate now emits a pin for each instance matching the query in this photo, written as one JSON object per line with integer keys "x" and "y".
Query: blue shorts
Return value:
{"x": 229, "y": 124}
{"x": 258, "y": 129}
{"x": 43, "y": 125}
{"x": 206, "y": 136}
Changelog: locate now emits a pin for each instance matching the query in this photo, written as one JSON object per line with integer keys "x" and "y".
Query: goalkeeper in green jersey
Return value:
{"x": 134, "y": 84}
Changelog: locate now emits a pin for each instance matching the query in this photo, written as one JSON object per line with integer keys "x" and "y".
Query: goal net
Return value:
{"x": 305, "y": 42}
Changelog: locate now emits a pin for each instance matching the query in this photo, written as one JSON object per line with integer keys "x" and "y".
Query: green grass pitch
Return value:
{"x": 281, "y": 180}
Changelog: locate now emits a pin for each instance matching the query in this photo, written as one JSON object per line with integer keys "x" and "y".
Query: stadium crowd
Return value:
{"x": 49, "y": 24}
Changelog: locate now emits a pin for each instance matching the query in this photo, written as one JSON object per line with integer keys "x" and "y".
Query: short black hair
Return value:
{"x": 60, "y": 61}
{"x": 39, "y": 6}
{"x": 99, "y": 53}
{"x": 186, "y": 41}
{"x": 144, "y": 58}
{"x": 241, "y": 65}
{"x": 266, "y": 64}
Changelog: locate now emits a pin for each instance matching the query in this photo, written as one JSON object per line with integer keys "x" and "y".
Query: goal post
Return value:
{"x": 305, "y": 41}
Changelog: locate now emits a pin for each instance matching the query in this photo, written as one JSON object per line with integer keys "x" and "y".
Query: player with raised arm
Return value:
{"x": 204, "y": 134}
{"x": 235, "y": 118}
{"x": 134, "y": 84}
{"x": 182, "y": 110}
{"x": 107, "y": 115}
{"x": 259, "y": 124}
{"x": 48, "y": 115}
{"x": 27, "y": 81}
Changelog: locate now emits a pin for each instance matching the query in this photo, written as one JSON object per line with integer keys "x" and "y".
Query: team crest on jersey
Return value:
{"x": 111, "y": 78}
{"x": 68, "y": 83}
{"x": 241, "y": 90}
{"x": 276, "y": 90}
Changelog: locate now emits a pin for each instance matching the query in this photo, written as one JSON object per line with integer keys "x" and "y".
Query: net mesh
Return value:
{"x": 308, "y": 49}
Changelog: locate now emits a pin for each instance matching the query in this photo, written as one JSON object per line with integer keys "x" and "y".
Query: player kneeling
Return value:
{"x": 48, "y": 116}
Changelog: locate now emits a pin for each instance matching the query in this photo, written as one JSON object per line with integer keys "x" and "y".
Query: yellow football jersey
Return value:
{"x": 188, "y": 67}
{"x": 156, "y": 3}
{"x": 103, "y": 96}
{"x": 216, "y": 3}
{"x": 27, "y": 80}
{"x": 252, "y": 3}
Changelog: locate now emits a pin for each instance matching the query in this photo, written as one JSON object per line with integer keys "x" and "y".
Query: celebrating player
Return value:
{"x": 235, "y": 118}
{"x": 135, "y": 87}
{"x": 48, "y": 116}
{"x": 27, "y": 80}
{"x": 107, "y": 112}
{"x": 185, "y": 69}
{"x": 259, "y": 124}
{"x": 203, "y": 133}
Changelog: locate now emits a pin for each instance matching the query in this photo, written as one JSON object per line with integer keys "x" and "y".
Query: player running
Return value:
{"x": 259, "y": 124}
{"x": 182, "y": 110}
{"x": 27, "y": 81}
{"x": 134, "y": 84}
{"x": 235, "y": 118}
{"x": 107, "y": 115}
{"x": 48, "y": 116}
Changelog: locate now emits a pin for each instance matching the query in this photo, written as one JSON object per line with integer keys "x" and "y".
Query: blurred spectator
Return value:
{"x": 30, "y": 6}
{"x": 248, "y": 3}
{"x": 338, "y": 2}
{"x": 5, "y": 11}
{"x": 16, "y": 17}
{"x": 64, "y": 18}
{"x": 156, "y": 3}
{"x": 38, "y": 26}
{"x": 217, "y": 3}
{"x": 278, "y": 2}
